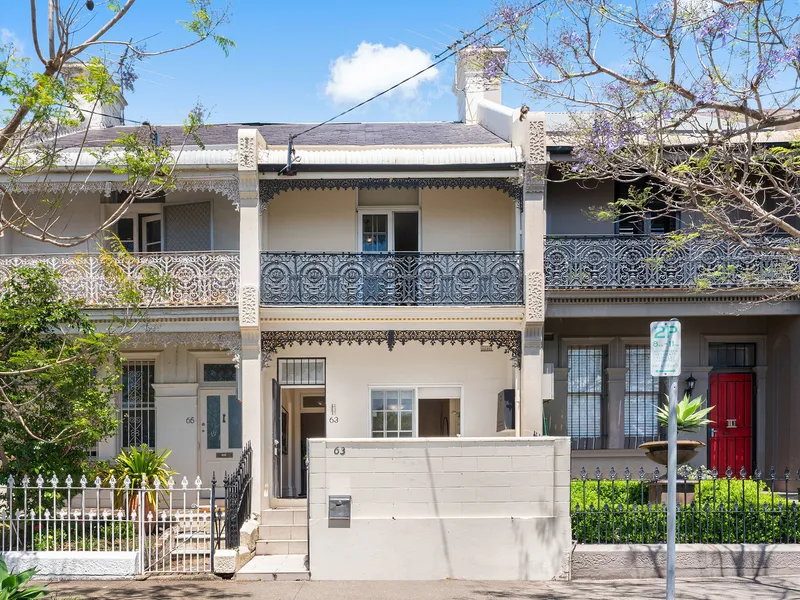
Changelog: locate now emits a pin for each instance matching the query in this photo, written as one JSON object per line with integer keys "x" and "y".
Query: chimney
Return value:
{"x": 478, "y": 72}
{"x": 98, "y": 116}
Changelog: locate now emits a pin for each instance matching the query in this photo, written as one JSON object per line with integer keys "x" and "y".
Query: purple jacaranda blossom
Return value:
{"x": 719, "y": 27}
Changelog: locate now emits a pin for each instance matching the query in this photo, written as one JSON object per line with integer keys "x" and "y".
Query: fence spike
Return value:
{"x": 627, "y": 474}
{"x": 757, "y": 473}
{"x": 743, "y": 473}
{"x": 40, "y": 481}
{"x": 597, "y": 473}
{"x": 126, "y": 482}
{"x": 83, "y": 481}
{"x": 184, "y": 482}
{"x": 612, "y": 474}
{"x": 11, "y": 481}
{"x": 170, "y": 483}
{"x": 656, "y": 474}
{"x": 98, "y": 482}
{"x": 112, "y": 481}
{"x": 714, "y": 473}
{"x": 728, "y": 473}
{"x": 786, "y": 473}
{"x": 26, "y": 481}
{"x": 772, "y": 472}
{"x": 198, "y": 482}
{"x": 68, "y": 481}
{"x": 583, "y": 473}
{"x": 641, "y": 473}
{"x": 156, "y": 483}
{"x": 54, "y": 480}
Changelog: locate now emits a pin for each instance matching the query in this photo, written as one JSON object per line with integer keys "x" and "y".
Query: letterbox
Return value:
{"x": 339, "y": 508}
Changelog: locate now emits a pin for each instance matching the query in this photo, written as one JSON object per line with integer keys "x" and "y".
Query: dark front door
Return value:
{"x": 731, "y": 432}
{"x": 277, "y": 441}
{"x": 312, "y": 425}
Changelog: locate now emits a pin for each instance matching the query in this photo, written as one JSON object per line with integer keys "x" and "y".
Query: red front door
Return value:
{"x": 731, "y": 432}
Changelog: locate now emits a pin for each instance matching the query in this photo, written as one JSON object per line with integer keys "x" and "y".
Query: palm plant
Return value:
{"x": 691, "y": 414}
{"x": 143, "y": 467}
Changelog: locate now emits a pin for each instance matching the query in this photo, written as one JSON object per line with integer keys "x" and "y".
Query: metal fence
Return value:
{"x": 393, "y": 278}
{"x": 714, "y": 508}
{"x": 173, "y": 528}
{"x": 237, "y": 497}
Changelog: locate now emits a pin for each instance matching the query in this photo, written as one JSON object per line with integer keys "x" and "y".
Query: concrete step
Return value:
{"x": 286, "y": 567}
{"x": 284, "y": 516}
{"x": 283, "y": 532}
{"x": 278, "y": 547}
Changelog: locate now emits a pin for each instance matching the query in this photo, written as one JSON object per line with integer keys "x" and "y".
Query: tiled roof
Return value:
{"x": 333, "y": 134}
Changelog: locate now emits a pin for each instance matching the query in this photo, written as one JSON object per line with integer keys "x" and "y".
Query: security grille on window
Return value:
{"x": 586, "y": 393}
{"x": 392, "y": 413}
{"x": 301, "y": 371}
{"x": 138, "y": 404}
{"x": 723, "y": 355}
{"x": 641, "y": 397}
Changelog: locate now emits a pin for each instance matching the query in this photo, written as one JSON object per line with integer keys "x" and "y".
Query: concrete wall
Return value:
{"x": 696, "y": 561}
{"x": 352, "y": 370}
{"x": 75, "y": 565}
{"x": 567, "y": 203}
{"x": 451, "y": 220}
{"x": 441, "y": 508}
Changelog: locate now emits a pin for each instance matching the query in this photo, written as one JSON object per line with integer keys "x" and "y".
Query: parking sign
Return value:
{"x": 665, "y": 348}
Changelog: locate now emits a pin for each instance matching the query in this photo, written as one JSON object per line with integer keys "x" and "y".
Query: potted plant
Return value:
{"x": 141, "y": 465}
{"x": 691, "y": 416}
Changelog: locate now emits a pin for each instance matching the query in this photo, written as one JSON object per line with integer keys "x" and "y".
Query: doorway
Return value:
{"x": 220, "y": 432}
{"x": 439, "y": 417}
{"x": 312, "y": 425}
{"x": 731, "y": 430}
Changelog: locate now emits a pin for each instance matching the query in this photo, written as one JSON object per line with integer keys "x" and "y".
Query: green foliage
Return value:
{"x": 85, "y": 536}
{"x": 142, "y": 465}
{"x": 723, "y": 511}
{"x": 14, "y": 586}
{"x": 57, "y": 377}
{"x": 690, "y": 415}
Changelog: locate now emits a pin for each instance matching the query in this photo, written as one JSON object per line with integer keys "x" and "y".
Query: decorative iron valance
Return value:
{"x": 269, "y": 188}
{"x": 508, "y": 340}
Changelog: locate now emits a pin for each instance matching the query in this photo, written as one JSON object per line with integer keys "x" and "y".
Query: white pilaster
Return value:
{"x": 616, "y": 407}
{"x": 533, "y": 231}
{"x": 250, "y": 233}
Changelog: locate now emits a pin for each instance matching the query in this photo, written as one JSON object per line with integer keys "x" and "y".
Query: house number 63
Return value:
{"x": 339, "y": 451}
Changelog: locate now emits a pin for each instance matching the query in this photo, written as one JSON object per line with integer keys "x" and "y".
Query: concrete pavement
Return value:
{"x": 213, "y": 589}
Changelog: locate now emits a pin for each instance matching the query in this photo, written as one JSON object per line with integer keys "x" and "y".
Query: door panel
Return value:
{"x": 731, "y": 433}
{"x": 277, "y": 441}
{"x": 220, "y": 433}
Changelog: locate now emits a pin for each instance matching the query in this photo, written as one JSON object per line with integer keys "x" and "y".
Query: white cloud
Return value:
{"x": 7, "y": 38}
{"x": 374, "y": 67}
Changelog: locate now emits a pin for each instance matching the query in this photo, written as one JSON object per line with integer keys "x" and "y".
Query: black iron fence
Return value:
{"x": 391, "y": 278}
{"x": 237, "y": 497}
{"x": 654, "y": 262}
{"x": 713, "y": 508}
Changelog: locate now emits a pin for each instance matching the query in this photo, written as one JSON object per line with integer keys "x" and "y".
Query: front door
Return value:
{"x": 220, "y": 433}
{"x": 731, "y": 430}
{"x": 277, "y": 441}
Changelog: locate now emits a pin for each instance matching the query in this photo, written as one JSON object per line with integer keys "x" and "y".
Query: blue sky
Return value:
{"x": 294, "y": 61}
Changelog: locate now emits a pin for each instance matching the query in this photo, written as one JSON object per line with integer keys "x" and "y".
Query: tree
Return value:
{"x": 63, "y": 85}
{"x": 697, "y": 100}
{"x": 57, "y": 375}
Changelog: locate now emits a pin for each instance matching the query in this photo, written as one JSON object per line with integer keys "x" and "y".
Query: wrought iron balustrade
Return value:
{"x": 650, "y": 262}
{"x": 389, "y": 279}
{"x": 194, "y": 278}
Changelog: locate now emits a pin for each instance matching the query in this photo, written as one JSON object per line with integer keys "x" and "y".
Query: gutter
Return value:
{"x": 354, "y": 168}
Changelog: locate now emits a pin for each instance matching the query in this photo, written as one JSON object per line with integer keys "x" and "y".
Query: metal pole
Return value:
{"x": 672, "y": 480}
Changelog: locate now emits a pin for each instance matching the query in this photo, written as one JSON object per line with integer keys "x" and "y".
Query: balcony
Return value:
{"x": 196, "y": 278}
{"x": 391, "y": 279}
{"x": 647, "y": 262}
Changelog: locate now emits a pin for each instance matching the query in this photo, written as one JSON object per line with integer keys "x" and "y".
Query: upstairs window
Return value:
{"x": 656, "y": 220}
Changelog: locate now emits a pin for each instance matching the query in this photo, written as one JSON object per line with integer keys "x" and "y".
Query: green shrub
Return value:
{"x": 605, "y": 492}
{"x": 13, "y": 586}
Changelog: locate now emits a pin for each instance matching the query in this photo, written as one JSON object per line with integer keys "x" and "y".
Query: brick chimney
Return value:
{"x": 475, "y": 80}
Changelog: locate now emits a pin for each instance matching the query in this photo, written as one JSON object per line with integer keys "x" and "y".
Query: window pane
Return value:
{"x": 213, "y": 433}
{"x": 377, "y": 400}
{"x": 391, "y": 421}
{"x": 378, "y": 434}
{"x": 405, "y": 421}
{"x": 586, "y": 395}
{"x": 234, "y": 422}
{"x": 137, "y": 404}
{"x": 392, "y": 400}
{"x": 377, "y": 420}
{"x": 219, "y": 372}
{"x": 641, "y": 397}
{"x": 391, "y": 434}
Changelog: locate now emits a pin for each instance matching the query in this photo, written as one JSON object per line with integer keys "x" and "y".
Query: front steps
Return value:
{"x": 283, "y": 531}
{"x": 291, "y": 567}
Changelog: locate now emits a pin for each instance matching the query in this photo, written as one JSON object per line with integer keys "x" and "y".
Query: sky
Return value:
{"x": 293, "y": 61}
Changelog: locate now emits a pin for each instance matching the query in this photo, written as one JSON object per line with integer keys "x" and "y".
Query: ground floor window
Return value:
{"x": 392, "y": 412}
{"x": 641, "y": 397}
{"x": 586, "y": 396}
{"x": 138, "y": 404}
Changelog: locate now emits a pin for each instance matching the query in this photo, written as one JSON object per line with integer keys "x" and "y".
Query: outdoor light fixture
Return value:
{"x": 690, "y": 381}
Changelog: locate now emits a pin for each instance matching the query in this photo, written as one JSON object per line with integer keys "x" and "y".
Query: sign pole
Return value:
{"x": 665, "y": 361}
{"x": 672, "y": 480}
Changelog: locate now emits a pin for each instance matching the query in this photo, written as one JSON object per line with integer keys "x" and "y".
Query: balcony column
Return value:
{"x": 253, "y": 413}
{"x": 533, "y": 232}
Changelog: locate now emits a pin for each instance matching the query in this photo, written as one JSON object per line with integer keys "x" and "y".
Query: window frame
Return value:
{"x": 140, "y": 359}
{"x": 389, "y": 211}
{"x": 414, "y": 410}
{"x": 632, "y": 442}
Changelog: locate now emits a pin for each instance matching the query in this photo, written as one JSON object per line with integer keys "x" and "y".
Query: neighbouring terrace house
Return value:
{"x": 412, "y": 280}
